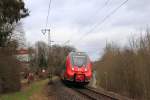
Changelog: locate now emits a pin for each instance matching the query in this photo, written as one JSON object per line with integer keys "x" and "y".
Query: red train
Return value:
{"x": 78, "y": 68}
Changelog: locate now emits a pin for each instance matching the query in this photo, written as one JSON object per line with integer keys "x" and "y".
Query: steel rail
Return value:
{"x": 94, "y": 95}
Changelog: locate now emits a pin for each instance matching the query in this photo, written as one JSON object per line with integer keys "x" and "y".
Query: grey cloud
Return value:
{"x": 139, "y": 6}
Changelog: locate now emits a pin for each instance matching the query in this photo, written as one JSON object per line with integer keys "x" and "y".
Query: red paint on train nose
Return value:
{"x": 81, "y": 69}
{"x": 79, "y": 78}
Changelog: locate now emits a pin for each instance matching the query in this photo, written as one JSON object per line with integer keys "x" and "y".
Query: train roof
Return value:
{"x": 78, "y": 53}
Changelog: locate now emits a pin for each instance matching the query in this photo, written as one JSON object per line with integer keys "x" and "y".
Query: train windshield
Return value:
{"x": 79, "y": 60}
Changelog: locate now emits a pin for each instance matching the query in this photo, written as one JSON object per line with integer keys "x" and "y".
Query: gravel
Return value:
{"x": 58, "y": 91}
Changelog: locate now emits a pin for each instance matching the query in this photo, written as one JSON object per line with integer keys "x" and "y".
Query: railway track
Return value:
{"x": 93, "y": 94}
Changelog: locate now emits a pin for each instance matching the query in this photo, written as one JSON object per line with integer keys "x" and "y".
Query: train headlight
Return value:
{"x": 72, "y": 68}
{"x": 85, "y": 69}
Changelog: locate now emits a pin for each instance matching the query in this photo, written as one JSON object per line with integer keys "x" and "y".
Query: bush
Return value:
{"x": 9, "y": 72}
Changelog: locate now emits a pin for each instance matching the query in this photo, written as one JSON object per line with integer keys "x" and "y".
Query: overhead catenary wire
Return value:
{"x": 105, "y": 5}
{"x": 48, "y": 13}
{"x": 107, "y": 1}
{"x": 97, "y": 11}
{"x": 45, "y": 30}
{"x": 101, "y": 22}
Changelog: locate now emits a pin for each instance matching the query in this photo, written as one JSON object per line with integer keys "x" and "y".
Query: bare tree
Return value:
{"x": 126, "y": 70}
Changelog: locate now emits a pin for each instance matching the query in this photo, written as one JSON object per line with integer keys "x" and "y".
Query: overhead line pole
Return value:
{"x": 48, "y": 31}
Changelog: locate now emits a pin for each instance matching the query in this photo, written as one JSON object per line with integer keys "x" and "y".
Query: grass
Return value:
{"x": 26, "y": 94}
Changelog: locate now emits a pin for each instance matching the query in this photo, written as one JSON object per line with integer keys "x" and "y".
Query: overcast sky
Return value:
{"x": 74, "y": 20}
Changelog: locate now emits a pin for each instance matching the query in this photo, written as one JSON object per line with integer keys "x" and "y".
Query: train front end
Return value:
{"x": 78, "y": 68}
